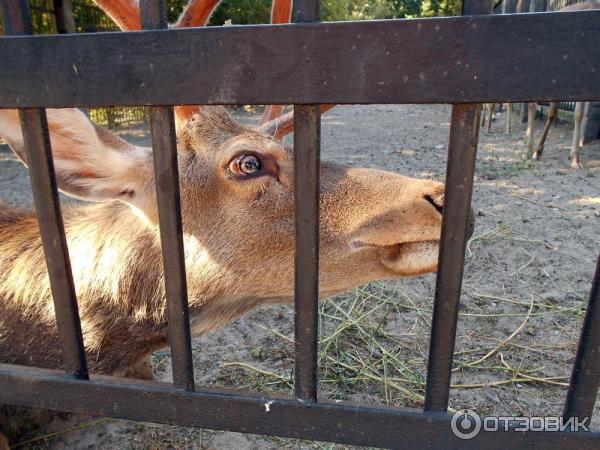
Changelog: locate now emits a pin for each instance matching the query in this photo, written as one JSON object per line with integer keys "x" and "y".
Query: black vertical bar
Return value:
{"x": 462, "y": 151}
{"x": 307, "y": 138}
{"x": 164, "y": 146}
{"x": 307, "y": 144}
{"x": 63, "y": 11}
{"x": 36, "y": 141}
{"x": 523, "y": 7}
{"x": 585, "y": 378}
{"x": 306, "y": 10}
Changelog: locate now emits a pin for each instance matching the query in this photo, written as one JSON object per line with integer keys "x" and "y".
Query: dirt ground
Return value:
{"x": 528, "y": 274}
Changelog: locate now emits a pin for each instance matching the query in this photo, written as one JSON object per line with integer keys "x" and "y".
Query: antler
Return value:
{"x": 126, "y": 14}
{"x": 197, "y": 13}
{"x": 283, "y": 125}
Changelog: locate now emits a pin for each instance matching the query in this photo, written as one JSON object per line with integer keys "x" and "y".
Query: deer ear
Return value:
{"x": 90, "y": 162}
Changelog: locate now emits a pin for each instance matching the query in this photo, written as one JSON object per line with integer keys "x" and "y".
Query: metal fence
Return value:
{"x": 86, "y": 18}
{"x": 555, "y": 5}
{"x": 457, "y": 60}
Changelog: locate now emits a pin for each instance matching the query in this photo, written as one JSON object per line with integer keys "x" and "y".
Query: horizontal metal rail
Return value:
{"x": 247, "y": 413}
{"x": 439, "y": 60}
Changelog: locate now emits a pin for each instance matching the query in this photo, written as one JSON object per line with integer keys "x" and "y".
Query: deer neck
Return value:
{"x": 118, "y": 275}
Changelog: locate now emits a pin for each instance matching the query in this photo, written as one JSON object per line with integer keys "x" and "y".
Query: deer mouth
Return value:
{"x": 414, "y": 258}
{"x": 404, "y": 258}
{"x": 410, "y": 258}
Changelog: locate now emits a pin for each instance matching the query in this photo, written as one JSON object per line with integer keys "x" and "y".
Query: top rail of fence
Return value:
{"x": 394, "y": 61}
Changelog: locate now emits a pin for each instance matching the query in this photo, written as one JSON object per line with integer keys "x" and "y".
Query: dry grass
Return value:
{"x": 360, "y": 352}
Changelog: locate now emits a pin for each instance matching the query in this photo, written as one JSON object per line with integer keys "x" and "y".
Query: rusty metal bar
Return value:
{"x": 45, "y": 196}
{"x": 585, "y": 378}
{"x": 306, "y": 189}
{"x": 372, "y": 426}
{"x": 36, "y": 140}
{"x": 462, "y": 151}
{"x": 65, "y": 21}
{"x": 311, "y": 63}
{"x": 306, "y": 11}
{"x": 166, "y": 174}
{"x": 307, "y": 146}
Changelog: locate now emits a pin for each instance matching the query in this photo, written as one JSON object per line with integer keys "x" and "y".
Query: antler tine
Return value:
{"x": 279, "y": 126}
{"x": 282, "y": 125}
{"x": 125, "y": 13}
{"x": 281, "y": 12}
{"x": 270, "y": 113}
{"x": 197, "y": 13}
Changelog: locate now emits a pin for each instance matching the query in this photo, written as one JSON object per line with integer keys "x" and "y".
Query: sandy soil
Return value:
{"x": 537, "y": 238}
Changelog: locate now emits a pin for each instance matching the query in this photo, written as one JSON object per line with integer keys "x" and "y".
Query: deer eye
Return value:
{"x": 245, "y": 165}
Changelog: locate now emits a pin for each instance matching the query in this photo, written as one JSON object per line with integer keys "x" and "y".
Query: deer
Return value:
{"x": 537, "y": 150}
{"x": 237, "y": 206}
{"x": 575, "y": 152}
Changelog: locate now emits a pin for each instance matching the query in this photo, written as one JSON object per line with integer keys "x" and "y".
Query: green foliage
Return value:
{"x": 42, "y": 17}
{"x": 387, "y": 9}
{"x": 174, "y": 8}
{"x": 90, "y": 18}
{"x": 242, "y": 12}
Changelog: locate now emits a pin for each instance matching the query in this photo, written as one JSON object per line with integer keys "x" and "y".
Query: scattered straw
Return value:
{"x": 501, "y": 344}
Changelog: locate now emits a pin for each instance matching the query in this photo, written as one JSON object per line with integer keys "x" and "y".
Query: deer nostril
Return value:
{"x": 437, "y": 203}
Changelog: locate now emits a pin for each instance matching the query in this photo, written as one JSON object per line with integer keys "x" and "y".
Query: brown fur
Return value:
{"x": 238, "y": 238}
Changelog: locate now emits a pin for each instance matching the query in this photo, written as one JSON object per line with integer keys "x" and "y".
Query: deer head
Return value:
{"x": 238, "y": 206}
{"x": 237, "y": 200}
